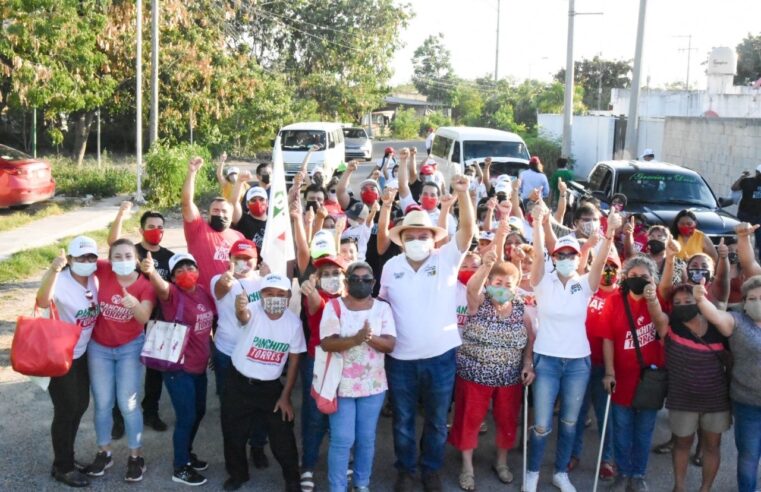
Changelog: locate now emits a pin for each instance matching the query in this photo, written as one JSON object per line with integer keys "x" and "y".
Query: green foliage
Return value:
{"x": 433, "y": 75}
{"x": 166, "y": 168}
{"x": 73, "y": 180}
{"x": 596, "y": 74}
{"x": 405, "y": 124}
{"x": 470, "y": 105}
{"x": 433, "y": 120}
{"x": 547, "y": 149}
{"x": 748, "y": 60}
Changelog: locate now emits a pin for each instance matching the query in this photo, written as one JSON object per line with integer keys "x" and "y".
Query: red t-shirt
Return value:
{"x": 313, "y": 320}
{"x": 210, "y": 248}
{"x": 596, "y": 324}
{"x": 116, "y": 325}
{"x": 198, "y": 314}
{"x": 616, "y": 328}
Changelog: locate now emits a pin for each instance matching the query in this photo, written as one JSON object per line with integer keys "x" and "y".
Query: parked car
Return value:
{"x": 455, "y": 146}
{"x": 658, "y": 190}
{"x": 358, "y": 144}
{"x": 296, "y": 140}
{"x": 23, "y": 179}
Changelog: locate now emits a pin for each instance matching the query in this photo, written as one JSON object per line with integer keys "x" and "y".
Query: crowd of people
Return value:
{"x": 447, "y": 299}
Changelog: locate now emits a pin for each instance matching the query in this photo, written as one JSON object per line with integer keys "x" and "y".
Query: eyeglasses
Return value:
{"x": 565, "y": 256}
{"x": 365, "y": 279}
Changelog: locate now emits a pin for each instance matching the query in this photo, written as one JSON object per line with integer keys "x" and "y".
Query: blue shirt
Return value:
{"x": 531, "y": 179}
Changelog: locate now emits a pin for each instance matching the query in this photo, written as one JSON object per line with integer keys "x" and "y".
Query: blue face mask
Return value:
{"x": 501, "y": 295}
{"x": 566, "y": 267}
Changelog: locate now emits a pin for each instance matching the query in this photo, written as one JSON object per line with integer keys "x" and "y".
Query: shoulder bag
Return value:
{"x": 328, "y": 369}
{"x": 653, "y": 381}
{"x": 165, "y": 342}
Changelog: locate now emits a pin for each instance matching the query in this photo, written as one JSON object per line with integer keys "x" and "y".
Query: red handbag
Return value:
{"x": 44, "y": 346}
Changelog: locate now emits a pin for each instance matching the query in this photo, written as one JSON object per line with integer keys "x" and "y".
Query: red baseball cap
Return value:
{"x": 426, "y": 169}
{"x": 244, "y": 247}
{"x": 411, "y": 207}
{"x": 330, "y": 260}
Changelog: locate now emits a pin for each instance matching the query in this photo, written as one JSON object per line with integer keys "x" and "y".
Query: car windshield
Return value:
{"x": 654, "y": 187}
{"x": 354, "y": 133}
{"x": 302, "y": 139}
{"x": 9, "y": 154}
{"x": 475, "y": 149}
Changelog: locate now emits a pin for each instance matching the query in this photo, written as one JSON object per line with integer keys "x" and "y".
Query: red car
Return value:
{"x": 23, "y": 179}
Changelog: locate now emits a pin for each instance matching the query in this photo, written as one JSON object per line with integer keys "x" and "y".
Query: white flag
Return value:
{"x": 277, "y": 247}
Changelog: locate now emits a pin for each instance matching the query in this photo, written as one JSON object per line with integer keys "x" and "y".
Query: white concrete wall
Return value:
{"x": 592, "y": 139}
{"x": 743, "y": 103}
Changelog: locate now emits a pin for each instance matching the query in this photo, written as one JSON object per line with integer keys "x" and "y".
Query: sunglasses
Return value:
{"x": 365, "y": 279}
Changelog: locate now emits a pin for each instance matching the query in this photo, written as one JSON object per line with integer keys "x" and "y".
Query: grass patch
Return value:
{"x": 13, "y": 220}
{"x": 25, "y": 264}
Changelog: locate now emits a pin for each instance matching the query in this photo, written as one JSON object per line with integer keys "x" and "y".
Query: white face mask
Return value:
{"x": 123, "y": 268}
{"x": 83, "y": 269}
{"x": 418, "y": 250}
{"x": 274, "y": 305}
{"x": 566, "y": 267}
{"x": 588, "y": 228}
{"x": 331, "y": 285}
{"x": 242, "y": 267}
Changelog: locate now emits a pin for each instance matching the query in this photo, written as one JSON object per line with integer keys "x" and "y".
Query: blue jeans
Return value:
{"x": 748, "y": 442}
{"x": 188, "y": 394}
{"x": 314, "y": 424}
{"x": 222, "y": 365}
{"x": 567, "y": 378}
{"x": 597, "y": 396}
{"x": 117, "y": 374}
{"x": 354, "y": 424}
{"x": 410, "y": 381}
{"x": 632, "y": 435}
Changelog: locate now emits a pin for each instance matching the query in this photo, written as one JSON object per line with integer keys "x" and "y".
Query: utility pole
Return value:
{"x": 496, "y": 51}
{"x": 632, "y": 124}
{"x": 97, "y": 150}
{"x": 34, "y": 132}
{"x": 139, "y": 199}
{"x": 689, "y": 50}
{"x": 154, "y": 122}
{"x": 569, "y": 72}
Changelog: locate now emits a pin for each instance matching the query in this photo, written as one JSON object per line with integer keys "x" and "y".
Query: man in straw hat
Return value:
{"x": 420, "y": 285}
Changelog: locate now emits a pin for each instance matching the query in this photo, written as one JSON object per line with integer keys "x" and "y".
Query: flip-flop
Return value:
{"x": 307, "y": 481}
{"x": 467, "y": 481}
{"x": 503, "y": 472}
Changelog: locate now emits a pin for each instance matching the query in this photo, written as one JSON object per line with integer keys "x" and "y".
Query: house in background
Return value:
{"x": 378, "y": 122}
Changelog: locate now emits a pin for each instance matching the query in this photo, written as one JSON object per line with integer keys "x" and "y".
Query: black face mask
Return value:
{"x": 733, "y": 258}
{"x": 218, "y": 223}
{"x": 360, "y": 290}
{"x": 695, "y": 274}
{"x": 636, "y": 285}
{"x": 313, "y": 205}
{"x": 684, "y": 312}
{"x": 265, "y": 179}
{"x": 656, "y": 246}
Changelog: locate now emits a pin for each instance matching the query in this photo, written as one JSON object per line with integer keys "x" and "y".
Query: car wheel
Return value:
{"x": 19, "y": 207}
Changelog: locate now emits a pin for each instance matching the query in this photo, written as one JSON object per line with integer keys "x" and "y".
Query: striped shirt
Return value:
{"x": 696, "y": 375}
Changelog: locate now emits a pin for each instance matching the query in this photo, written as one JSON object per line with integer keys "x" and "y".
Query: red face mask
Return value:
{"x": 153, "y": 236}
{"x": 186, "y": 280}
{"x": 429, "y": 202}
{"x": 686, "y": 230}
{"x": 257, "y": 208}
{"x": 464, "y": 276}
{"x": 369, "y": 196}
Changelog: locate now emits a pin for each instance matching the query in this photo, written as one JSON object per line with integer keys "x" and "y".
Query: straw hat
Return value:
{"x": 416, "y": 219}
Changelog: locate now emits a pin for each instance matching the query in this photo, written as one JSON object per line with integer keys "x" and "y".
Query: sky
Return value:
{"x": 533, "y": 35}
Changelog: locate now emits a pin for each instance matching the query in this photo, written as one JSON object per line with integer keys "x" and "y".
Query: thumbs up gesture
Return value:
{"x": 241, "y": 302}
{"x": 147, "y": 266}
{"x": 59, "y": 261}
{"x": 722, "y": 249}
{"x": 309, "y": 287}
{"x": 128, "y": 300}
{"x": 629, "y": 227}
{"x": 227, "y": 278}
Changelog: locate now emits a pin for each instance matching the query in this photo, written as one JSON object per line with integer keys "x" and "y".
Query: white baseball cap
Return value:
{"x": 323, "y": 243}
{"x": 568, "y": 241}
{"x": 178, "y": 257}
{"x": 317, "y": 169}
{"x": 256, "y": 191}
{"x": 502, "y": 187}
{"x": 648, "y": 152}
{"x": 486, "y": 236}
{"x": 276, "y": 281}
{"x": 82, "y": 245}
{"x": 231, "y": 170}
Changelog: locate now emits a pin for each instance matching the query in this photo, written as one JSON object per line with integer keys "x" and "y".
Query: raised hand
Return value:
{"x": 629, "y": 227}
{"x": 309, "y": 287}
{"x": 491, "y": 203}
{"x": 298, "y": 179}
{"x": 295, "y": 209}
{"x": 404, "y": 153}
{"x": 460, "y": 183}
{"x": 592, "y": 241}
{"x": 516, "y": 184}
{"x": 448, "y": 200}
{"x": 535, "y": 195}
{"x": 538, "y": 212}
{"x": 722, "y": 249}
{"x": 341, "y": 225}
{"x": 375, "y": 207}
{"x": 562, "y": 187}
{"x": 314, "y": 148}
{"x": 699, "y": 290}
{"x": 59, "y": 261}
{"x": 195, "y": 163}
{"x": 673, "y": 247}
{"x": 241, "y": 302}
{"x": 264, "y": 270}
{"x": 389, "y": 195}
{"x": 651, "y": 292}
{"x": 125, "y": 208}
{"x": 614, "y": 222}
{"x": 128, "y": 300}
{"x": 147, "y": 266}
{"x": 490, "y": 258}
{"x": 228, "y": 278}
{"x": 244, "y": 176}
{"x": 223, "y": 157}
{"x": 352, "y": 166}
{"x": 487, "y": 163}
{"x": 322, "y": 212}
{"x": 505, "y": 207}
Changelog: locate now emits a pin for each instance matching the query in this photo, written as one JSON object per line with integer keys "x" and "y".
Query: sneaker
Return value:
{"x": 196, "y": 464}
{"x": 621, "y": 484}
{"x": 561, "y": 481}
{"x": 607, "y": 471}
{"x": 135, "y": 469}
{"x": 155, "y": 423}
{"x": 103, "y": 461}
{"x": 258, "y": 458}
{"x": 404, "y": 482}
{"x": 431, "y": 481}
{"x": 530, "y": 481}
{"x": 74, "y": 478}
{"x": 638, "y": 484}
{"x": 117, "y": 430}
{"x": 233, "y": 484}
{"x": 188, "y": 476}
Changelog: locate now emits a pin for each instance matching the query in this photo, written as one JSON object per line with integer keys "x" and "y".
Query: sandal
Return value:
{"x": 697, "y": 460}
{"x": 467, "y": 481}
{"x": 503, "y": 472}
{"x": 664, "y": 448}
{"x": 307, "y": 481}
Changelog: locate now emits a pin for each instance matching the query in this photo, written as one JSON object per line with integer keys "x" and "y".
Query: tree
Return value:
{"x": 748, "y": 60}
{"x": 470, "y": 105}
{"x": 598, "y": 74}
{"x": 433, "y": 75}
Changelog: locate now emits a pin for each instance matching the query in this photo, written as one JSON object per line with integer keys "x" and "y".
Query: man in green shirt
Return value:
{"x": 563, "y": 173}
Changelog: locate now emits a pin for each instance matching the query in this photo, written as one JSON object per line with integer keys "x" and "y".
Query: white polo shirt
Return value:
{"x": 262, "y": 351}
{"x": 562, "y": 314}
{"x": 424, "y": 303}
{"x": 229, "y": 328}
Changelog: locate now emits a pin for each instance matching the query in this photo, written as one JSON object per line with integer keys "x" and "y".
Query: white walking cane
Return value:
{"x": 525, "y": 435}
{"x": 602, "y": 443}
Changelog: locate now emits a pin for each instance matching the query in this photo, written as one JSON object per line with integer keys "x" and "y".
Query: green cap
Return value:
{"x": 341, "y": 167}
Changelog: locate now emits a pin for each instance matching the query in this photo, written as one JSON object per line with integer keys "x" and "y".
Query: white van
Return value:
{"x": 455, "y": 146}
{"x": 297, "y": 138}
